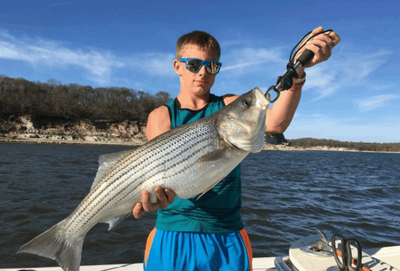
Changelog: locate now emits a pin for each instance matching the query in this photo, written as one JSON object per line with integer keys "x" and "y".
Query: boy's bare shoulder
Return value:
{"x": 158, "y": 122}
{"x": 228, "y": 98}
{"x": 160, "y": 111}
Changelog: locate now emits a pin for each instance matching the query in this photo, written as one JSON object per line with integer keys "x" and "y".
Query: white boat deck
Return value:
{"x": 378, "y": 259}
{"x": 259, "y": 264}
{"x": 387, "y": 255}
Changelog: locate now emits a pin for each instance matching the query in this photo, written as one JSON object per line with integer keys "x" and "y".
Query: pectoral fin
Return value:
{"x": 215, "y": 156}
{"x": 114, "y": 221}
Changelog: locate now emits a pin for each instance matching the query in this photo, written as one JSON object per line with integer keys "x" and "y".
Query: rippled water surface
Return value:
{"x": 285, "y": 196}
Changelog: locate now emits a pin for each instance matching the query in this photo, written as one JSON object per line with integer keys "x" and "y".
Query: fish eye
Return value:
{"x": 246, "y": 103}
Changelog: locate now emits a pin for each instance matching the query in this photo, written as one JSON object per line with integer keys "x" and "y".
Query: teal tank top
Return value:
{"x": 218, "y": 211}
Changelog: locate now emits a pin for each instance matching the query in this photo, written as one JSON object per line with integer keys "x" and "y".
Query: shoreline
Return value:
{"x": 121, "y": 142}
{"x": 270, "y": 147}
{"x": 139, "y": 142}
{"x": 27, "y": 129}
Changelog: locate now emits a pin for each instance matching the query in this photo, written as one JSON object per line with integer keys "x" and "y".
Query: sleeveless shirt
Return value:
{"x": 218, "y": 211}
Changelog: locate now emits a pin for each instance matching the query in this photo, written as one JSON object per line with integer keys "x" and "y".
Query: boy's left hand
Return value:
{"x": 164, "y": 198}
{"x": 320, "y": 45}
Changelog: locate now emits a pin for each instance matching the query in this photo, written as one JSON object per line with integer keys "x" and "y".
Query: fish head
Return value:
{"x": 242, "y": 124}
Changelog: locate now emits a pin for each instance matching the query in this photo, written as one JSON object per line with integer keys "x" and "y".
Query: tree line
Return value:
{"x": 53, "y": 99}
{"x": 358, "y": 146}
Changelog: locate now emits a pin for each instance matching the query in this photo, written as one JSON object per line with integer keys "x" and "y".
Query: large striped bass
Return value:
{"x": 178, "y": 159}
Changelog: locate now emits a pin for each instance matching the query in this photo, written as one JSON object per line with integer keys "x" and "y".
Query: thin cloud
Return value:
{"x": 98, "y": 64}
{"x": 154, "y": 64}
{"x": 345, "y": 68}
{"x": 342, "y": 71}
{"x": 240, "y": 66}
{"x": 382, "y": 87}
{"x": 242, "y": 60}
{"x": 373, "y": 102}
{"x": 39, "y": 52}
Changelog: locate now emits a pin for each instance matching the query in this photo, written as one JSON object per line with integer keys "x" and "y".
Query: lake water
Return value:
{"x": 285, "y": 196}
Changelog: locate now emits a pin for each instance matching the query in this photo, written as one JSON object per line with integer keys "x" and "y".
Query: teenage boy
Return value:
{"x": 208, "y": 234}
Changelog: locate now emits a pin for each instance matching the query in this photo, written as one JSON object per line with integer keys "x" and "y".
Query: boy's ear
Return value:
{"x": 177, "y": 67}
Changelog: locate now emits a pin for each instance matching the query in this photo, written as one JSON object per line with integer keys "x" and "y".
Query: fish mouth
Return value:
{"x": 264, "y": 100}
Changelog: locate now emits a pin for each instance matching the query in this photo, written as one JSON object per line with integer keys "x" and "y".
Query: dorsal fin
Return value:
{"x": 106, "y": 162}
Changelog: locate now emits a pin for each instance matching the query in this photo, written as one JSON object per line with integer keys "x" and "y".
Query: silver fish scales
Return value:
{"x": 178, "y": 159}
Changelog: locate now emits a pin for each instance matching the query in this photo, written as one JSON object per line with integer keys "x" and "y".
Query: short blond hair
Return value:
{"x": 201, "y": 39}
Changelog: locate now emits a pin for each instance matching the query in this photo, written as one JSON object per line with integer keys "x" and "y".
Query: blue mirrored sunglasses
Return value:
{"x": 195, "y": 65}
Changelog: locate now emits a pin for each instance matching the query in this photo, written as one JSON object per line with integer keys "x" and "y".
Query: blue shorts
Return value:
{"x": 168, "y": 250}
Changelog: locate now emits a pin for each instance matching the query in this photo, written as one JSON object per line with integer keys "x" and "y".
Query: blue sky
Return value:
{"x": 354, "y": 96}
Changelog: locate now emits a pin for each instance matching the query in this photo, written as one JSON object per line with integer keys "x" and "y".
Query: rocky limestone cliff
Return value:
{"x": 62, "y": 130}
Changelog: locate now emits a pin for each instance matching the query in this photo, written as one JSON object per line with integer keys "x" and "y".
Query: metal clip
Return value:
{"x": 277, "y": 91}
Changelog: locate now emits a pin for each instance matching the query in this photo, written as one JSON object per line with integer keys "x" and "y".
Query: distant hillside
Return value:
{"x": 328, "y": 144}
{"x": 357, "y": 146}
{"x": 20, "y": 97}
{"x": 52, "y": 112}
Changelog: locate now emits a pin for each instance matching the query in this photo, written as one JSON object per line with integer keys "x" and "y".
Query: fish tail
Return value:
{"x": 57, "y": 245}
